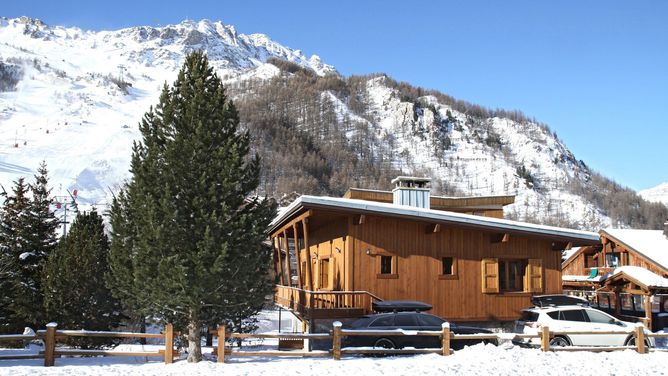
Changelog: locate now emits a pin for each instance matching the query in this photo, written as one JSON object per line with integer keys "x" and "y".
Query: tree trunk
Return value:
{"x": 194, "y": 342}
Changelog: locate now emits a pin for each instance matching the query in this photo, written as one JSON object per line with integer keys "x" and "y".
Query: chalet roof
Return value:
{"x": 639, "y": 275}
{"x": 652, "y": 244}
{"x": 577, "y": 237}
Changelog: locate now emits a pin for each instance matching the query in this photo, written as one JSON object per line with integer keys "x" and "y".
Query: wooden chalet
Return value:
{"x": 625, "y": 275}
{"x": 335, "y": 256}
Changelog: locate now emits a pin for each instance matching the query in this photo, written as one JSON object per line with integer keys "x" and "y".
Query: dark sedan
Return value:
{"x": 413, "y": 321}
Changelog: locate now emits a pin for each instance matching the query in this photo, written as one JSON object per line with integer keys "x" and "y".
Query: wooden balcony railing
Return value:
{"x": 324, "y": 304}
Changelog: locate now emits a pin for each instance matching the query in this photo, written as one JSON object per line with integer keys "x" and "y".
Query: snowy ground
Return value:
{"x": 505, "y": 359}
{"x": 476, "y": 360}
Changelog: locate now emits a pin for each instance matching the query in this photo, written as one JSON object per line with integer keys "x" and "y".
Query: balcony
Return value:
{"x": 308, "y": 304}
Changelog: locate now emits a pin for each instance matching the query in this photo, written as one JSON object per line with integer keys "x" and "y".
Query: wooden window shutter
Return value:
{"x": 535, "y": 275}
{"x": 490, "y": 275}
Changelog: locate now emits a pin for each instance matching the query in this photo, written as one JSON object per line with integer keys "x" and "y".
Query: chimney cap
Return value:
{"x": 411, "y": 181}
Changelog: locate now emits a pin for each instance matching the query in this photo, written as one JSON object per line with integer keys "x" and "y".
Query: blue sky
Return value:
{"x": 595, "y": 71}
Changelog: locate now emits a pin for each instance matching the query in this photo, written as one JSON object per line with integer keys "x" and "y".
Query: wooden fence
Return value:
{"x": 338, "y": 333}
{"x": 52, "y": 334}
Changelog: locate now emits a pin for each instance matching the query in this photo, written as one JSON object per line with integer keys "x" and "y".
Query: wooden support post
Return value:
{"x": 640, "y": 338}
{"x": 288, "y": 266}
{"x": 280, "y": 261}
{"x": 169, "y": 344}
{"x": 300, "y": 272}
{"x": 446, "y": 339}
{"x": 545, "y": 338}
{"x": 221, "y": 344}
{"x": 648, "y": 310}
{"x": 50, "y": 344}
{"x": 336, "y": 342}
{"x": 309, "y": 267}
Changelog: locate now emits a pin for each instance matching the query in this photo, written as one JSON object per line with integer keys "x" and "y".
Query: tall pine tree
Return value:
{"x": 75, "y": 273}
{"x": 196, "y": 237}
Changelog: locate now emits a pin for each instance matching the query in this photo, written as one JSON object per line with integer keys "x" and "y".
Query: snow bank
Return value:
{"x": 475, "y": 360}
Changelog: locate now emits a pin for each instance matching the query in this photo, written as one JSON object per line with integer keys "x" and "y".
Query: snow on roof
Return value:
{"x": 434, "y": 215}
{"x": 582, "y": 278}
{"x": 641, "y": 275}
{"x": 567, "y": 254}
{"x": 652, "y": 244}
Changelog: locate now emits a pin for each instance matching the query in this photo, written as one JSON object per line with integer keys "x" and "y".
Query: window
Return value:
{"x": 324, "y": 273}
{"x": 599, "y": 317}
{"x": 554, "y": 315}
{"x": 387, "y": 267}
{"x": 511, "y": 275}
{"x": 627, "y": 301}
{"x": 448, "y": 268}
{"x": 612, "y": 260}
{"x": 573, "y": 315}
{"x": 405, "y": 320}
{"x": 385, "y": 264}
{"x": 639, "y": 303}
{"x": 383, "y": 321}
{"x": 602, "y": 300}
{"x": 429, "y": 320}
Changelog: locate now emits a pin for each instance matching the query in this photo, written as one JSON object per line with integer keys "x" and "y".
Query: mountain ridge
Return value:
{"x": 74, "y": 98}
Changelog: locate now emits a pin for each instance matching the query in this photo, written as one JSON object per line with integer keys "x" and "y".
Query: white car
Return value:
{"x": 576, "y": 318}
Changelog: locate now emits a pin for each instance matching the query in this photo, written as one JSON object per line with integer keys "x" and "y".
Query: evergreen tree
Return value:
{"x": 75, "y": 294}
{"x": 197, "y": 252}
{"x": 20, "y": 262}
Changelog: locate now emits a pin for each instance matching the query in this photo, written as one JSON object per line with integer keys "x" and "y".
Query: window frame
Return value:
{"x": 523, "y": 263}
{"x": 327, "y": 285}
{"x": 453, "y": 268}
{"x": 393, "y": 267}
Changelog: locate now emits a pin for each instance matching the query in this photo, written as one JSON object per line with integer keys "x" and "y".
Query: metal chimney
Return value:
{"x": 411, "y": 191}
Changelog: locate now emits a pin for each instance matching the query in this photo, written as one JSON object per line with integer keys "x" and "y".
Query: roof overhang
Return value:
{"x": 575, "y": 237}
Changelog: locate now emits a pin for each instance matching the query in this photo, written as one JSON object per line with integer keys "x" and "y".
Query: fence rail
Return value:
{"x": 52, "y": 334}
{"x": 338, "y": 333}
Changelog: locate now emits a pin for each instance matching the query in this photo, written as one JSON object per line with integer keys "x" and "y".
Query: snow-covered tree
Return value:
{"x": 196, "y": 240}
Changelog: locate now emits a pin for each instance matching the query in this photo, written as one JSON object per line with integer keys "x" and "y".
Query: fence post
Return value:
{"x": 545, "y": 338}
{"x": 336, "y": 341}
{"x": 169, "y": 343}
{"x": 50, "y": 344}
{"x": 220, "y": 352}
{"x": 446, "y": 339}
{"x": 640, "y": 338}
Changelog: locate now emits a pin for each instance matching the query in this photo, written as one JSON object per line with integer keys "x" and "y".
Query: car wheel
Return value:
{"x": 631, "y": 341}
{"x": 559, "y": 342}
{"x": 384, "y": 343}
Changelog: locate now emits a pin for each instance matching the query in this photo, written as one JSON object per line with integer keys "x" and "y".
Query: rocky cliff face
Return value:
{"x": 74, "y": 98}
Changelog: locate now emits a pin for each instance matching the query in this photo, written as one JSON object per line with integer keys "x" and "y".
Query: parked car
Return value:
{"x": 412, "y": 321}
{"x": 576, "y": 318}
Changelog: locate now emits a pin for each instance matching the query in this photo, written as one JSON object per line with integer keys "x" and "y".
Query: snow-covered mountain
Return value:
{"x": 656, "y": 194}
{"x": 74, "y": 98}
